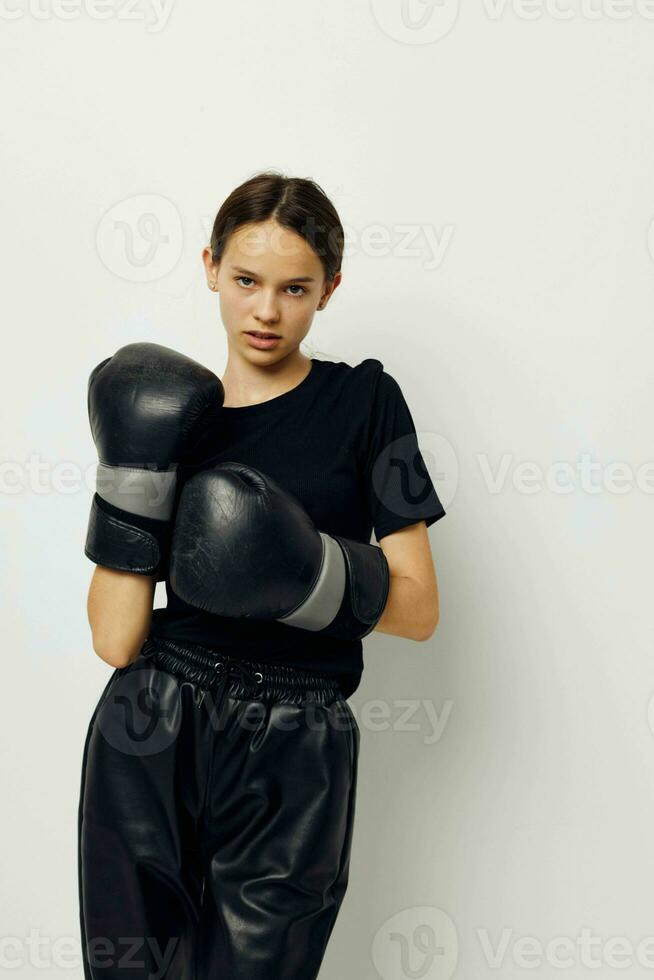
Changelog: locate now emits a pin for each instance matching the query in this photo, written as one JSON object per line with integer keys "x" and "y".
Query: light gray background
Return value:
{"x": 493, "y": 167}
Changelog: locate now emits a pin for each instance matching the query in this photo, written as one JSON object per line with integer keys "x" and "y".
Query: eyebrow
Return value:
{"x": 253, "y": 275}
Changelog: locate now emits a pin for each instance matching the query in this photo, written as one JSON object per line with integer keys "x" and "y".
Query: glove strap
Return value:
{"x": 368, "y": 582}
{"x": 115, "y": 543}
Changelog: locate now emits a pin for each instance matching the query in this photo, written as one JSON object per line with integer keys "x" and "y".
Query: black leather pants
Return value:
{"x": 215, "y": 819}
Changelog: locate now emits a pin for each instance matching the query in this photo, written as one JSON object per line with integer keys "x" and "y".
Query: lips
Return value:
{"x": 261, "y": 335}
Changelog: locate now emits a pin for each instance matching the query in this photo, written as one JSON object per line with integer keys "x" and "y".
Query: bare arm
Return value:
{"x": 412, "y": 608}
{"x": 119, "y": 609}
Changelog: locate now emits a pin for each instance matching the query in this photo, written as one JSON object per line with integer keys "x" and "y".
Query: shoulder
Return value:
{"x": 344, "y": 369}
{"x": 364, "y": 391}
{"x": 367, "y": 376}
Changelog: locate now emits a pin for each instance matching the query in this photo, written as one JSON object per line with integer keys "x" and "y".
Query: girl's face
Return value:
{"x": 270, "y": 282}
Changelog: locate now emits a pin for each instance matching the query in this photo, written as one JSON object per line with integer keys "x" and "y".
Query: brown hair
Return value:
{"x": 296, "y": 203}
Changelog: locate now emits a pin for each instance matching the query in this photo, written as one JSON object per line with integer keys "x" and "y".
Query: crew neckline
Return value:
{"x": 277, "y": 400}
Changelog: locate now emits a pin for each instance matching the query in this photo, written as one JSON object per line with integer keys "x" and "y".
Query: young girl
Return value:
{"x": 219, "y": 771}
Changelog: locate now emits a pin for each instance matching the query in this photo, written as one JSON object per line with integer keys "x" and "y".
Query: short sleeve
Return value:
{"x": 399, "y": 487}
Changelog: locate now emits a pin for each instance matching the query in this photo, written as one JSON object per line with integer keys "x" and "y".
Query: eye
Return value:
{"x": 292, "y": 286}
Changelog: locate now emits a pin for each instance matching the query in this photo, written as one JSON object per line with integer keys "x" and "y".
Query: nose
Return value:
{"x": 267, "y": 311}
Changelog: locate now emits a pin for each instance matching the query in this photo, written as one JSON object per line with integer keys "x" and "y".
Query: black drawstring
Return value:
{"x": 239, "y": 670}
{"x": 232, "y": 669}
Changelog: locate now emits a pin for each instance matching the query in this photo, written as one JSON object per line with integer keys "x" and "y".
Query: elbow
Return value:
{"x": 114, "y": 655}
{"x": 427, "y": 629}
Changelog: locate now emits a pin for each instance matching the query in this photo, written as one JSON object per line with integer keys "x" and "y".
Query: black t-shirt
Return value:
{"x": 344, "y": 443}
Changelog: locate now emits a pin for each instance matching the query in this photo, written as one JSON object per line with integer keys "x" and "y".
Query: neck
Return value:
{"x": 247, "y": 383}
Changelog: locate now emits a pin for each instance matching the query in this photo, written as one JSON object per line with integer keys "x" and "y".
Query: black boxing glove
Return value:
{"x": 244, "y": 547}
{"x": 146, "y": 405}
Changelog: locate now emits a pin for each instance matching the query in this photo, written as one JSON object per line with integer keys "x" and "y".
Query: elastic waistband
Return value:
{"x": 210, "y": 669}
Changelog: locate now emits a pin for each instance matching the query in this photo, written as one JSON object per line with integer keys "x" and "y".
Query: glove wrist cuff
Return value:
{"x": 114, "y": 542}
{"x": 350, "y": 592}
{"x": 366, "y": 591}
